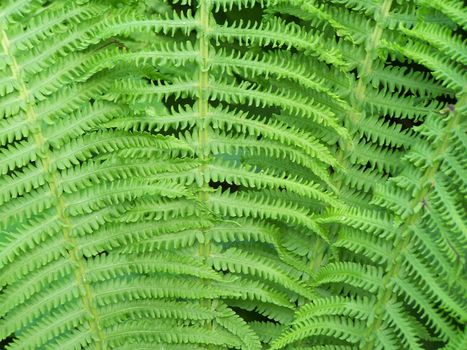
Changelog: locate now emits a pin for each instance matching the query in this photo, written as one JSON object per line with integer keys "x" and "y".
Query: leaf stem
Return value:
{"x": 45, "y": 161}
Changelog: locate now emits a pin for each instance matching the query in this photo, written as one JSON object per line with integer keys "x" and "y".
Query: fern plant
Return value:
{"x": 232, "y": 174}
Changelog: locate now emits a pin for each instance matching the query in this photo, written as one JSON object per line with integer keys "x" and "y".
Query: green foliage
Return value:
{"x": 233, "y": 174}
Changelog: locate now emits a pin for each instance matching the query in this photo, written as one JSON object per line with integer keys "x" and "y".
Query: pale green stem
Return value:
{"x": 45, "y": 161}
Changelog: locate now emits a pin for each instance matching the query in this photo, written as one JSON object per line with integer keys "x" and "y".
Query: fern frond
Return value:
{"x": 451, "y": 8}
{"x": 237, "y": 261}
{"x": 278, "y": 34}
{"x": 439, "y": 37}
{"x": 248, "y": 174}
{"x": 334, "y": 326}
{"x": 260, "y": 207}
{"x": 401, "y": 79}
{"x": 157, "y": 333}
{"x": 357, "y": 275}
{"x": 447, "y": 72}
